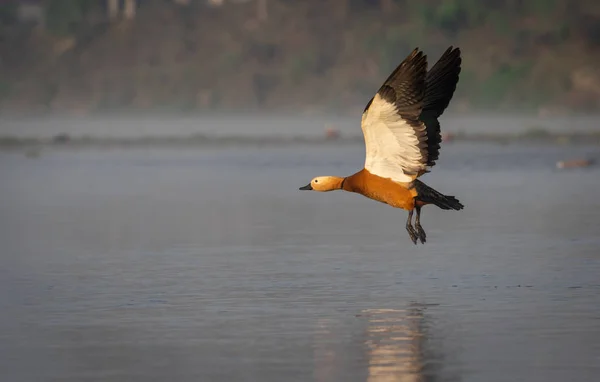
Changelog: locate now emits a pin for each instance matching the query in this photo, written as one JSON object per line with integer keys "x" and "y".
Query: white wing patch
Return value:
{"x": 394, "y": 148}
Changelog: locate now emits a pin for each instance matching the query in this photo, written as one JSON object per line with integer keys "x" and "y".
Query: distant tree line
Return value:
{"x": 272, "y": 53}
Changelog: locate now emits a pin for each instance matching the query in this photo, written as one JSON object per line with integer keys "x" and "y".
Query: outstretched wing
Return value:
{"x": 395, "y": 137}
{"x": 440, "y": 84}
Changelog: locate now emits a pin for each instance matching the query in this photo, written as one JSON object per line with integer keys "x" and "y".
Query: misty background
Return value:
{"x": 89, "y": 60}
{"x": 151, "y": 226}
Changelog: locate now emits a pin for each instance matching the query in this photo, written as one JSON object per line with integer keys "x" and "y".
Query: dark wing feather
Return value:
{"x": 405, "y": 87}
{"x": 440, "y": 84}
{"x": 395, "y": 138}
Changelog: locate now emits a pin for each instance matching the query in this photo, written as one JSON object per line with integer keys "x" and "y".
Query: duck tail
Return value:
{"x": 428, "y": 195}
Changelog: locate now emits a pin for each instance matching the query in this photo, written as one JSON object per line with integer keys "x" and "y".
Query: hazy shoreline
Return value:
{"x": 200, "y": 140}
{"x": 274, "y": 130}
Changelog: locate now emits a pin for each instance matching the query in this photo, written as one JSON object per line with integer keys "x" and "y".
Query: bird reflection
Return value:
{"x": 395, "y": 345}
{"x": 325, "y": 356}
{"x": 384, "y": 345}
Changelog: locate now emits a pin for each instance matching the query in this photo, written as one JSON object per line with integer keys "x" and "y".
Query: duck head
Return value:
{"x": 324, "y": 183}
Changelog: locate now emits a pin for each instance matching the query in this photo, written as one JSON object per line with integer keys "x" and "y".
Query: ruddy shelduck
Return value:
{"x": 402, "y": 138}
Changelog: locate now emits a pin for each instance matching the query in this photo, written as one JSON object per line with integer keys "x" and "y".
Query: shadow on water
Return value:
{"x": 398, "y": 345}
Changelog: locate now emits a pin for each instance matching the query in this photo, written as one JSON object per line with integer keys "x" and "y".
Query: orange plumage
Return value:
{"x": 402, "y": 138}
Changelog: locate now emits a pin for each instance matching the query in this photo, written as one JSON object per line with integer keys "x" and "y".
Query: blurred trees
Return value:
{"x": 387, "y": 6}
{"x": 67, "y": 17}
{"x": 64, "y": 16}
{"x": 112, "y": 9}
{"x": 129, "y": 9}
{"x": 331, "y": 53}
{"x": 8, "y": 13}
{"x": 262, "y": 13}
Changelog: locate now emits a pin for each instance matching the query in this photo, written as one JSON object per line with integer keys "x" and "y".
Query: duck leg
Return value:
{"x": 411, "y": 231}
{"x": 420, "y": 231}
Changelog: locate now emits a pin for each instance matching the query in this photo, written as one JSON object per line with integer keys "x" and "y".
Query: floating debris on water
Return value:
{"x": 574, "y": 163}
{"x": 331, "y": 132}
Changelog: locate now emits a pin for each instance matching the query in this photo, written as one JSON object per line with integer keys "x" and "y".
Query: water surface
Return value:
{"x": 209, "y": 264}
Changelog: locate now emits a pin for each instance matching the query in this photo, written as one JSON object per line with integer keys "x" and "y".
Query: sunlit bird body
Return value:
{"x": 402, "y": 138}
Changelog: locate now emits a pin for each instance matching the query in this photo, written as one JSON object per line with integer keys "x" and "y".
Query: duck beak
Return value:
{"x": 307, "y": 187}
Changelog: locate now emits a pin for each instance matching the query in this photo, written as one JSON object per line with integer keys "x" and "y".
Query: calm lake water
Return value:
{"x": 136, "y": 126}
{"x": 209, "y": 264}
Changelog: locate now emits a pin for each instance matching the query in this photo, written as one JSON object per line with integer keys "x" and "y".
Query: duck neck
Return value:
{"x": 351, "y": 182}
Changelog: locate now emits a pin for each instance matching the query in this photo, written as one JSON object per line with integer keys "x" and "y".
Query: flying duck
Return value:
{"x": 402, "y": 138}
